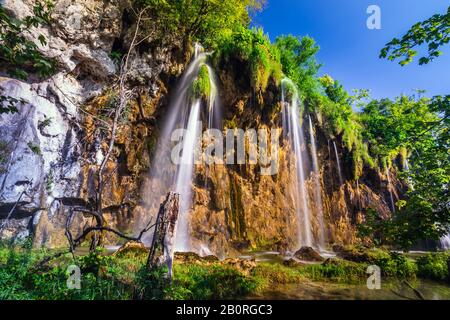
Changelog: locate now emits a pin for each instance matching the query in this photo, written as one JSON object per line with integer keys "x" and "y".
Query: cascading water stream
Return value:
{"x": 184, "y": 177}
{"x": 445, "y": 242}
{"x": 317, "y": 187}
{"x": 293, "y": 130}
{"x": 341, "y": 181}
{"x": 389, "y": 187}
{"x": 184, "y": 112}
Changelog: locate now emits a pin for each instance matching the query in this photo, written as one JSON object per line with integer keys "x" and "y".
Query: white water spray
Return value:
{"x": 445, "y": 242}
{"x": 184, "y": 177}
{"x": 183, "y": 112}
{"x": 389, "y": 187}
{"x": 293, "y": 130}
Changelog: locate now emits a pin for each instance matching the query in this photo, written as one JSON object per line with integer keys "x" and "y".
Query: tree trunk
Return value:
{"x": 161, "y": 251}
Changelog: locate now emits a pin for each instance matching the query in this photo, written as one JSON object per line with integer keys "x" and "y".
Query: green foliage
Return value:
{"x": 9, "y": 104}
{"x": 210, "y": 282}
{"x": 392, "y": 264}
{"x": 252, "y": 47}
{"x": 372, "y": 227}
{"x": 297, "y": 56}
{"x": 271, "y": 273}
{"x": 396, "y": 265}
{"x": 342, "y": 121}
{"x": 121, "y": 276}
{"x": 198, "y": 20}
{"x": 434, "y": 31}
{"x": 337, "y": 271}
{"x": 17, "y": 52}
{"x": 417, "y": 131}
{"x": 201, "y": 87}
{"x": 434, "y": 266}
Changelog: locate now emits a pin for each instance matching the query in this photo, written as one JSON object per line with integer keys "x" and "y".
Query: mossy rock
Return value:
{"x": 308, "y": 254}
{"x": 193, "y": 258}
{"x": 132, "y": 248}
{"x": 201, "y": 86}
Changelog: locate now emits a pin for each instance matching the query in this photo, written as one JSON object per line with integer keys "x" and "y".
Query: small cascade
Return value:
{"x": 445, "y": 242}
{"x": 406, "y": 169}
{"x": 184, "y": 112}
{"x": 317, "y": 187}
{"x": 389, "y": 187}
{"x": 293, "y": 131}
{"x": 341, "y": 180}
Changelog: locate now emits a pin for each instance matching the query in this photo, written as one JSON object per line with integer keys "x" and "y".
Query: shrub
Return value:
{"x": 252, "y": 47}
{"x": 433, "y": 266}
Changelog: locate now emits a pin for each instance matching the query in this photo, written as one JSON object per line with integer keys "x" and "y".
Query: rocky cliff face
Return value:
{"x": 241, "y": 209}
{"x": 51, "y": 149}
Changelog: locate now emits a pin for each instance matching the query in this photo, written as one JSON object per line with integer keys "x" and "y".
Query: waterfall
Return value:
{"x": 294, "y": 132}
{"x": 183, "y": 112}
{"x": 389, "y": 187}
{"x": 445, "y": 242}
{"x": 317, "y": 187}
{"x": 341, "y": 181}
{"x": 184, "y": 177}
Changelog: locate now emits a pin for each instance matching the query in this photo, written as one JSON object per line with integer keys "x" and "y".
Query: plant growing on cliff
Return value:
{"x": 18, "y": 53}
{"x": 201, "y": 87}
{"x": 252, "y": 47}
{"x": 34, "y": 148}
{"x": 336, "y": 107}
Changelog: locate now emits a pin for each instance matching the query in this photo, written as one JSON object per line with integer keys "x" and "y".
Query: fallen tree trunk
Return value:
{"x": 161, "y": 251}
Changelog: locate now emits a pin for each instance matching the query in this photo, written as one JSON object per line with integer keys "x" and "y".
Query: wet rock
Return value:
{"x": 132, "y": 247}
{"x": 293, "y": 263}
{"x": 308, "y": 254}
{"x": 337, "y": 248}
{"x": 192, "y": 257}
{"x": 281, "y": 246}
{"x": 241, "y": 245}
{"x": 245, "y": 266}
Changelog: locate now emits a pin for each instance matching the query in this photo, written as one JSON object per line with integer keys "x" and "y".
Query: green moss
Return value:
{"x": 201, "y": 87}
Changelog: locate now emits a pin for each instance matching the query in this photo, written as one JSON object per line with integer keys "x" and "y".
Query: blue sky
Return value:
{"x": 349, "y": 50}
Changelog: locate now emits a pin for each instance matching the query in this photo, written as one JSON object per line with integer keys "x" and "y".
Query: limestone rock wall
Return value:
{"x": 51, "y": 149}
